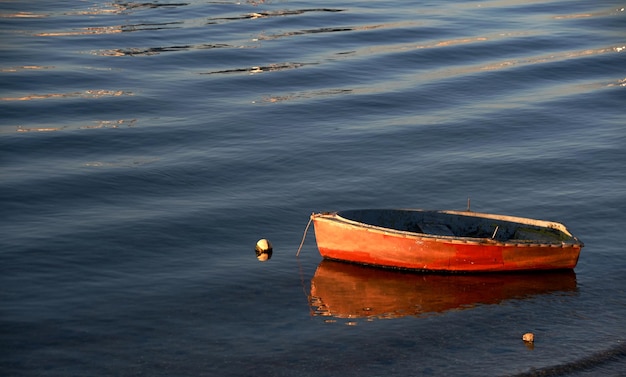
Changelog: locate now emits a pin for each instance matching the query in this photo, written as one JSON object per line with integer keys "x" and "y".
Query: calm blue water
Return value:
{"x": 146, "y": 146}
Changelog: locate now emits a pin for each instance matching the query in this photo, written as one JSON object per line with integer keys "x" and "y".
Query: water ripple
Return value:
{"x": 146, "y": 145}
{"x": 158, "y": 50}
{"x": 84, "y": 94}
{"x": 261, "y": 69}
{"x": 277, "y": 13}
{"x": 110, "y": 29}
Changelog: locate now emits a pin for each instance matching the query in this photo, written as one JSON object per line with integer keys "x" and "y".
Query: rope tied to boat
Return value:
{"x": 304, "y": 235}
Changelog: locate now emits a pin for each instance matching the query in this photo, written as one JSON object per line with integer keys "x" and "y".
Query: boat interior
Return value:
{"x": 461, "y": 224}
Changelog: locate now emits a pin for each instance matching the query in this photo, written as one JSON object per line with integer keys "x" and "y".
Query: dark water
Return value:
{"x": 146, "y": 146}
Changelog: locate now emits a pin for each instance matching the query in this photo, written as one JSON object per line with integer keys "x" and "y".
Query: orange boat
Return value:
{"x": 450, "y": 241}
{"x": 343, "y": 290}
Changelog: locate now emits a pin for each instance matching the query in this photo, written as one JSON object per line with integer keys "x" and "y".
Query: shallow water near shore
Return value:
{"x": 145, "y": 147}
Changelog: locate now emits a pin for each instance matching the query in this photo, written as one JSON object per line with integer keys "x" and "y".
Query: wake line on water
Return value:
{"x": 598, "y": 359}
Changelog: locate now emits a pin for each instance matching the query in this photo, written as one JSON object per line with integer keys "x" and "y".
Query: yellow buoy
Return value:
{"x": 528, "y": 337}
{"x": 263, "y": 250}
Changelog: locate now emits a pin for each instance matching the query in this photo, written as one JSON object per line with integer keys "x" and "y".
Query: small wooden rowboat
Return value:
{"x": 450, "y": 241}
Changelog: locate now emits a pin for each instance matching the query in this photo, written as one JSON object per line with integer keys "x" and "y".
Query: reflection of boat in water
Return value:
{"x": 351, "y": 291}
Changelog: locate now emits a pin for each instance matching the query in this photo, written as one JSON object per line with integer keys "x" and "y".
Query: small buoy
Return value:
{"x": 263, "y": 250}
{"x": 528, "y": 337}
{"x": 263, "y": 245}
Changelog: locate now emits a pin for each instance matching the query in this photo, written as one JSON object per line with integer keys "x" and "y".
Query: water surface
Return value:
{"x": 146, "y": 146}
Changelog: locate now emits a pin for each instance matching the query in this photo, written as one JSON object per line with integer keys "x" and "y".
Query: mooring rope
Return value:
{"x": 304, "y": 235}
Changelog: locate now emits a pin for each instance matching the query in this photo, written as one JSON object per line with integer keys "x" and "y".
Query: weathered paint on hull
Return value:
{"x": 339, "y": 240}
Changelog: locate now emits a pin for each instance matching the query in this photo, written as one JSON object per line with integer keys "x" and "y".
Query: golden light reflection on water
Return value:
{"x": 450, "y": 72}
{"x": 306, "y": 95}
{"x": 587, "y": 15}
{"x": 499, "y": 3}
{"x": 517, "y": 3}
{"x": 107, "y": 8}
{"x": 549, "y": 58}
{"x": 22, "y": 15}
{"x": 111, "y": 29}
{"x": 125, "y": 8}
{"x": 120, "y": 123}
{"x": 447, "y": 73}
{"x": 111, "y": 124}
{"x": 85, "y": 94}
{"x": 121, "y": 8}
{"x": 25, "y": 68}
{"x": 38, "y": 129}
{"x": 202, "y": 46}
{"x": 401, "y": 47}
{"x": 84, "y": 31}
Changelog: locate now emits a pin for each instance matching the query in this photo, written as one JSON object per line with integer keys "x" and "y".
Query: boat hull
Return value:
{"x": 345, "y": 240}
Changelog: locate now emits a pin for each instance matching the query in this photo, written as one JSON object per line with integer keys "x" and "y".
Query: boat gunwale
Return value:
{"x": 572, "y": 242}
